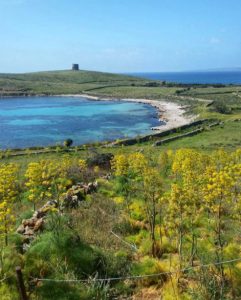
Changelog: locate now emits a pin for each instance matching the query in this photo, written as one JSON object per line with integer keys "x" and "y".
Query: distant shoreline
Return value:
{"x": 210, "y": 77}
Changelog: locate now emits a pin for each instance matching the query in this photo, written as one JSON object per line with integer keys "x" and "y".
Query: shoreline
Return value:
{"x": 170, "y": 113}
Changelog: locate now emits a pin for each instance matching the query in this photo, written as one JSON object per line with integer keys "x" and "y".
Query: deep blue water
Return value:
{"x": 225, "y": 77}
{"x": 42, "y": 121}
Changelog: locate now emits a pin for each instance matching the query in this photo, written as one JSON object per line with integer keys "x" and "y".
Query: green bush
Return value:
{"x": 64, "y": 258}
{"x": 50, "y": 256}
{"x": 68, "y": 142}
{"x": 221, "y": 107}
{"x": 149, "y": 266}
{"x": 117, "y": 264}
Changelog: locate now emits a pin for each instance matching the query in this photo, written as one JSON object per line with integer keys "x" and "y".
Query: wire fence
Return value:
{"x": 132, "y": 246}
{"x": 136, "y": 277}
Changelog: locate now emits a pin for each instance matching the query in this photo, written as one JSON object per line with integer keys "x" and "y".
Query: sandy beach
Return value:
{"x": 169, "y": 112}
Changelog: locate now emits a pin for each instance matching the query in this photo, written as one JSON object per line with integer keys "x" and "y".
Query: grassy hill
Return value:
{"x": 112, "y": 85}
{"x": 62, "y": 82}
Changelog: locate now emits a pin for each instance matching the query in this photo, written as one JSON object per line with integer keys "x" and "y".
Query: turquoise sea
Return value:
{"x": 43, "y": 121}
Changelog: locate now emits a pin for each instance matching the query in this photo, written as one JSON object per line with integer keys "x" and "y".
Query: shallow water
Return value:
{"x": 42, "y": 121}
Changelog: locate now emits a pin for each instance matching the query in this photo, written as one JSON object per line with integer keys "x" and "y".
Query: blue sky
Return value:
{"x": 120, "y": 35}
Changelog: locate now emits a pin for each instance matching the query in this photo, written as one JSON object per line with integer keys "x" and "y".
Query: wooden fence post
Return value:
{"x": 21, "y": 286}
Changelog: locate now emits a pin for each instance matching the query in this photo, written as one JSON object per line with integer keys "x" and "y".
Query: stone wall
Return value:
{"x": 191, "y": 133}
{"x": 146, "y": 138}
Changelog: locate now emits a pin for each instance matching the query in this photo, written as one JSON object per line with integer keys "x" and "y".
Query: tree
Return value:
{"x": 47, "y": 179}
{"x": 222, "y": 199}
{"x": 38, "y": 183}
{"x": 152, "y": 189}
{"x": 68, "y": 142}
{"x": 128, "y": 169}
{"x": 186, "y": 196}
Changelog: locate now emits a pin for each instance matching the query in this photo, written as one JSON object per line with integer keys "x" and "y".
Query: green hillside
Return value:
{"x": 62, "y": 82}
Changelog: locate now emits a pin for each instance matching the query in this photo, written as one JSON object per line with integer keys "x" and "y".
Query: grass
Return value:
{"x": 226, "y": 136}
{"x": 61, "y": 82}
{"x": 137, "y": 92}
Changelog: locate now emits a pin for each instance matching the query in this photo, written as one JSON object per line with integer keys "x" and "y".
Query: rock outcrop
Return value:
{"x": 29, "y": 227}
{"x": 77, "y": 193}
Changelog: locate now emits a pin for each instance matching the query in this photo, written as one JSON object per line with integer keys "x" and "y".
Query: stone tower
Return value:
{"x": 75, "y": 67}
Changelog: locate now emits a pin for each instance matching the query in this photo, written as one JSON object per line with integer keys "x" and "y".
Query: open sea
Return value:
{"x": 42, "y": 121}
{"x": 220, "y": 77}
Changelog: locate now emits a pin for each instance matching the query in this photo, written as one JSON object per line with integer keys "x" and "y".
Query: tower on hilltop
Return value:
{"x": 75, "y": 67}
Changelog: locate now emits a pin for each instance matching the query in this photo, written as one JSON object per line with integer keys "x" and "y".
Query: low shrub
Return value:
{"x": 149, "y": 266}
{"x": 221, "y": 107}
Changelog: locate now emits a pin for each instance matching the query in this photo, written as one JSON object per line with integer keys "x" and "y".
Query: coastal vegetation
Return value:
{"x": 155, "y": 219}
{"x": 168, "y": 221}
